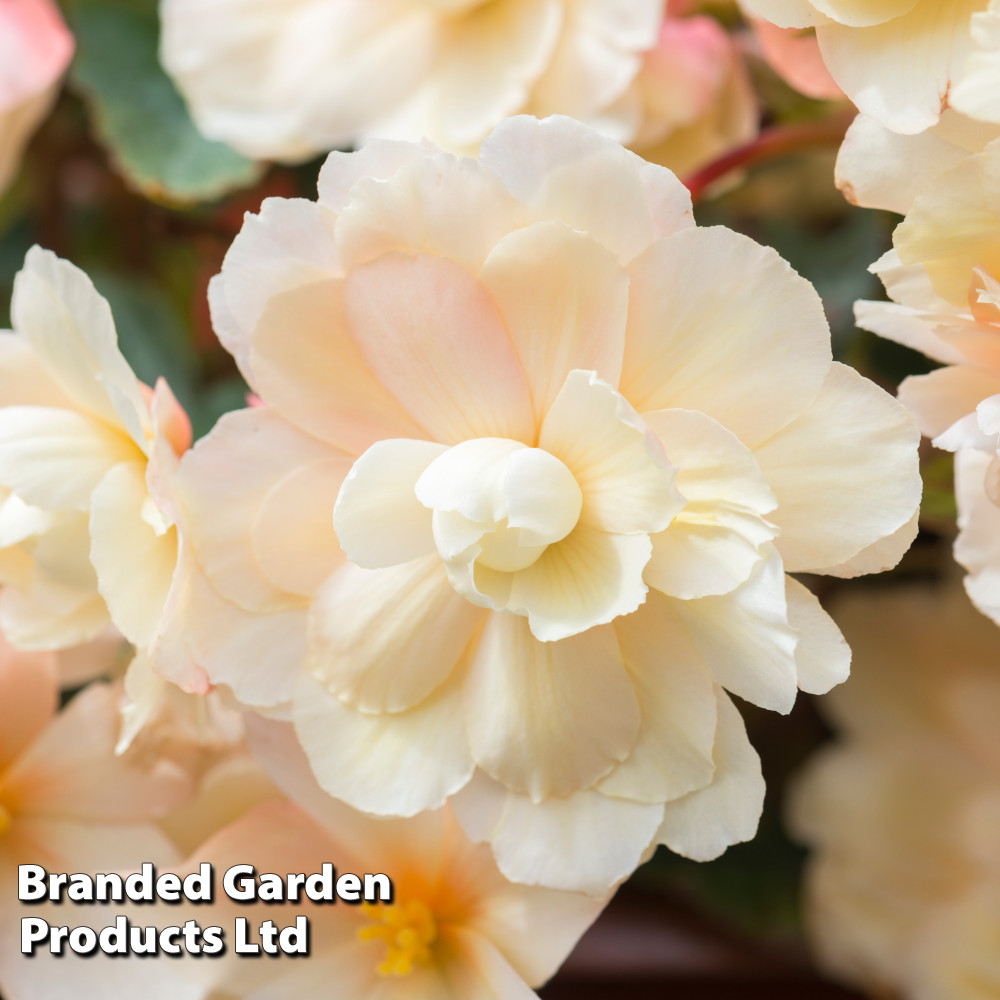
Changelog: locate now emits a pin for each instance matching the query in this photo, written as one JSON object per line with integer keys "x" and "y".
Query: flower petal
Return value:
{"x": 308, "y": 367}
{"x": 382, "y": 640}
{"x": 713, "y": 544}
{"x": 224, "y": 481}
{"x": 673, "y": 753}
{"x": 57, "y": 310}
{"x": 977, "y": 547}
{"x": 288, "y": 244}
{"x": 30, "y": 694}
{"x": 564, "y": 170}
{"x": 745, "y": 637}
{"x": 134, "y": 561}
{"x": 381, "y": 764}
{"x": 564, "y": 300}
{"x": 547, "y": 719}
{"x": 703, "y": 824}
{"x": 831, "y": 505}
{"x": 378, "y": 519}
{"x": 626, "y": 479}
{"x": 474, "y": 969}
{"x": 822, "y": 656}
{"x": 55, "y": 458}
{"x": 689, "y": 346}
{"x": 942, "y": 397}
{"x": 432, "y": 336}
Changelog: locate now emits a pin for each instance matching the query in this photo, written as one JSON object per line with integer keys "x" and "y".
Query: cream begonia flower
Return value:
{"x": 455, "y": 927}
{"x": 903, "y": 886}
{"x": 535, "y": 456}
{"x": 88, "y": 456}
{"x": 944, "y": 279}
{"x": 69, "y": 804}
{"x": 903, "y": 62}
{"x": 35, "y": 49}
{"x": 286, "y": 79}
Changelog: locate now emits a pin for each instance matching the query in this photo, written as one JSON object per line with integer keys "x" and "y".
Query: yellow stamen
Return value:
{"x": 408, "y": 930}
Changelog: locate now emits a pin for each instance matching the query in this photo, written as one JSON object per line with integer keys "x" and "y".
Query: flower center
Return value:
{"x": 408, "y": 930}
{"x": 499, "y": 503}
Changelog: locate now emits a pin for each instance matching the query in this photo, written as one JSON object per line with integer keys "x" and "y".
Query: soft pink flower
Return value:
{"x": 35, "y": 49}
{"x": 794, "y": 54}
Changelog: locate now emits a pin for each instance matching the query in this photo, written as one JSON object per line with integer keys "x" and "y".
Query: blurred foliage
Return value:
{"x": 138, "y": 113}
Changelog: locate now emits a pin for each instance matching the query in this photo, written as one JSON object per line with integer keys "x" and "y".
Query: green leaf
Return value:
{"x": 138, "y": 113}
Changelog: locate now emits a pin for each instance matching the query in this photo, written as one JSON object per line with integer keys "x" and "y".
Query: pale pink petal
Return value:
{"x": 382, "y": 640}
{"x": 377, "y": 159}
{"x": 432, "y": 336}
{"x": 978, "y": 545}
{"x": 673, "y": 753}
{"x": 307, "y": 366}
{"x": 548, "y": 718}
{"x": 565, "y": 171}
{"x": 942, "y": 397}
{"x": 690, "y": 347}
{"x": 474, "y": 969}
{"x": 224, "y": 480}
{"x": 795, "y": 56}
{"x": 55, "y": 458}
{"x": 703, "y": 824}
{"x": 71, "y": 772}
{"x": 388, "y": 765}
{"x": 288, "y": 244}
{"x": 564, "y": 300}
{"x": 830, "y": 505}
{"x": 428, "y": 203}
{"x": 378, "y": 518}
{"x": 293, "y": 536}
{"x": 626, "y": 479}
{"x": 30, "y": 695}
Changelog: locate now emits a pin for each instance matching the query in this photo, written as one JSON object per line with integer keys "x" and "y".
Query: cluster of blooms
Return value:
{"x": 902, "y": 812}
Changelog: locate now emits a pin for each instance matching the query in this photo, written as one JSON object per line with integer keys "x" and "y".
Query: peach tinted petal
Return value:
{"x": 30, "y": 696}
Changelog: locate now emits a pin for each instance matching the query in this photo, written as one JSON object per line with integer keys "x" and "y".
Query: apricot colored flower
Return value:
{"x": 455, "y": 926}
{"x": 35, "y": 49}
{"x": 535, "y": 456}
{"x": 903, "y": 886}
{"x": 87, "y": 454}
{"x": 944, "y": 278}
{"x": 903, "y": 62}
{"x": 67, "y": 802}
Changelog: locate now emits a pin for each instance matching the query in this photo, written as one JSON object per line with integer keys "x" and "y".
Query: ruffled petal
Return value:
{"x": 548, "y": 718}
{"x": 29, "y": 691}
{"x": 432, "y": 335}
{"x": 396, "y": 765}
{"x": 703, "y": 824}
{"x": 689, "y": 346}
{"x": 822, "y": 655}
{"x": 845, "y": 473}
{"x": 382, "y": 640}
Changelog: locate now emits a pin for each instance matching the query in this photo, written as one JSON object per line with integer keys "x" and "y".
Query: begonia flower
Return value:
{"x": 903, "y": 62}
{"x": 794, "y": 55}
{"x": 535, "y": 458}
{"x": 35, "y": 49}
{"x": 67, "y": 802}
{"x": 943, "y": 276}
{"x": 455, "y": 927}
{"x": 286, "y": 80}
{"x": 88, "y": 455}
{"x": 901, "y": 811}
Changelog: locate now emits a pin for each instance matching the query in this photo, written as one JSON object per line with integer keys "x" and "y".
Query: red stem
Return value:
{"x": 772, "y": 144}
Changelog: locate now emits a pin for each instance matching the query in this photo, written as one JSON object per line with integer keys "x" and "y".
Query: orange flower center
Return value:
{"x": 408, "y": 930}
{"x": 6, "y": 813}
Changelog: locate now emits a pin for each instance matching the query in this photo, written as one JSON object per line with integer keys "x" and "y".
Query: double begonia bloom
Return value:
{"x": 67, "y": 802}
{"x": 35, "y": 49}
{"x": 903, "y": 62}
{"x": 454, "y": 927}
{"x": 944, "y": 278}
{"x": 88, "y": 455}
{"x": 286, "y": 80}
{"x": 903, "y": 887}
{"x": 535, "y": 455}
